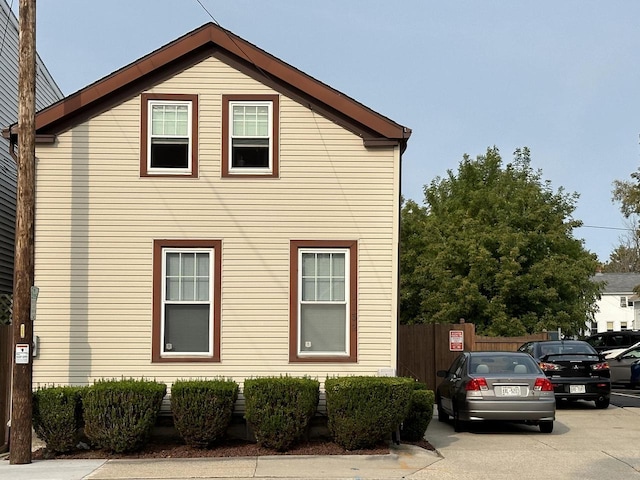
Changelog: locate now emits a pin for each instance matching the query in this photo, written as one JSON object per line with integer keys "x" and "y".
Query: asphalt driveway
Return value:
{"x": 586, "y": 444}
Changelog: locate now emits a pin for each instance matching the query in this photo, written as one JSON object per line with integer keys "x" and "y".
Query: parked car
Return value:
{"x": 613, "y": 353}
{"x": 506, "y": 386}
{"x": 576, "y": 369}
{"x": 610, "y": 340}
{"x": 625, "y": 366}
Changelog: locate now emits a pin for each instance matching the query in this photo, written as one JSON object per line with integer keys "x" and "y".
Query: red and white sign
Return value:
{"x": 456, "y": 340}
{"x": 22, "y": 353}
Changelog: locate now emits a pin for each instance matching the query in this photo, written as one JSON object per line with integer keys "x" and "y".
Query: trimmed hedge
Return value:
{"x": 280, "y": 408}
{"x": 57, "y": 415}
{"x": 119, "y": 414}
{"x": 420, "y": 413}
{"x": 202, "y": 409}
{"x": 363, "y": 411}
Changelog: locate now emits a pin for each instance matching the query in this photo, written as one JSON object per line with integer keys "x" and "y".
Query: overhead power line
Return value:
{"x": 609, "y": 228}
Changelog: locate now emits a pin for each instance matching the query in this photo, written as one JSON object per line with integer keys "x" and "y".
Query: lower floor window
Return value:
{"x": 323, "y": 296}
{"x": 186, "y": 300}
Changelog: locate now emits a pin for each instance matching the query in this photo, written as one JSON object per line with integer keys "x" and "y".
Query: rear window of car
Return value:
{"x": 565, "y": 348}
{"x": 502, "y": 364}
{"x": 614, "y": 339}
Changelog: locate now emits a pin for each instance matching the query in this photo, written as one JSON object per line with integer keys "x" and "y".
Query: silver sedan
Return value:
{"x": 508, "y": 386}
{"x": 625, "y": 366}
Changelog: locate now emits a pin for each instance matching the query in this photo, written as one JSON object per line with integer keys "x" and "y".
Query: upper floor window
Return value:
{"x": 169, "y": 126}
{"x": 250, "y": 135}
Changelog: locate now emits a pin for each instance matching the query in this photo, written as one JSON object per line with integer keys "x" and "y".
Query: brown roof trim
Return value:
{"x": 205, "y": 41}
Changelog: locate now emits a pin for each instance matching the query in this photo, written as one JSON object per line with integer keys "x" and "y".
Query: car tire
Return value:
{"x": 603, "y": 403}
{"x": 546, "y": 426}
{"x": 442, "y": 415}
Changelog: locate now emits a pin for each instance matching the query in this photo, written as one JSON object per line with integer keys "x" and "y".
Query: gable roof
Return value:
{"x": 213, "y": 40}
{"x": 618, "y": 283}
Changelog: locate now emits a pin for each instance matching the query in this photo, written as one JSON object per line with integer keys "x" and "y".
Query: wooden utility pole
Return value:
{"x": 21, "y": 404}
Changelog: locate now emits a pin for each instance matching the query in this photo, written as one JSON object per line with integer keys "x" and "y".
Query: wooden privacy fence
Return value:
{"x": 425, "y": 349}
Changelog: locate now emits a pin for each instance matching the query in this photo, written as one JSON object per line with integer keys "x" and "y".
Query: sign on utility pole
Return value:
{"x": 21, "y": 399}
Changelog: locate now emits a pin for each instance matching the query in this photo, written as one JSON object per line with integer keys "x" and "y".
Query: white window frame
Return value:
{"x": 251, "y": 170}
{"x": 170, "y": 171}
{"x": 164, "y": 302}
{"x": 346, "y": 302}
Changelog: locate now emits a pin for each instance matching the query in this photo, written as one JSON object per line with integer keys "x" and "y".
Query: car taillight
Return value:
{"x": 476, "y": 384}
{"x": 549, "y": 366}
{"x": 543, "y": 385}
{"x": 600, "y": 366}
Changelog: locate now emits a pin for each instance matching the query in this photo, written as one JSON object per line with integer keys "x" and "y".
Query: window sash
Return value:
{"x": 251, "y": 128}
{"x": 323, "y": 302}
{"x": 169, "y": 122}
{"x": 187, "y": 293}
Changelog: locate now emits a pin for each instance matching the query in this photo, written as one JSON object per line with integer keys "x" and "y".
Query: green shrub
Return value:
{"x": 279, "y": 409}
{"x": 420, "y": 413}
{"x": 363, "y": 411}
{"x": 202, "y": 409}
{"x": 119, "y": 414}
{"x": 57, "y": 415}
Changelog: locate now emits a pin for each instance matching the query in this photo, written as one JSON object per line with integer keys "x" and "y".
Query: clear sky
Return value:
{"x": 561, "y": 77}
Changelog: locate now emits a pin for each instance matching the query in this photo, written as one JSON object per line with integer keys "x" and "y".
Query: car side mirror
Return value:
{"x": 441, "y": 373}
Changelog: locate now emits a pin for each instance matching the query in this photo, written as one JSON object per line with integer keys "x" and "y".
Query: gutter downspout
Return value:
{"x": 403, "y": 147}
{"x": 12, "y": 148}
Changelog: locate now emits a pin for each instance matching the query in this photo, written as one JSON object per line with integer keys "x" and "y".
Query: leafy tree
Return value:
{"x": 495, "y": 245}
{"x": 628, "y": 194}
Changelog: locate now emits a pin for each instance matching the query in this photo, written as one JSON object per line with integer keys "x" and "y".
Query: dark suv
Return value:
{"x": 611, "y": 340}
{"x": 576, "y": 370}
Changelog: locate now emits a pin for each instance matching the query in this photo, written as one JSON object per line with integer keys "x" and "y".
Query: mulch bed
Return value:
{"x": 159, "y": 448}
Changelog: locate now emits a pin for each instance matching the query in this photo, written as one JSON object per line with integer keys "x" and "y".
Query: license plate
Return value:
{"x": 576, "y": 389}
{"x": 510, "y": 391}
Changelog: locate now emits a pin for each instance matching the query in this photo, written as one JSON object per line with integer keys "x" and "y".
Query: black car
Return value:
{"x": 576, "y": 370}
{"x": 613, "y": 340}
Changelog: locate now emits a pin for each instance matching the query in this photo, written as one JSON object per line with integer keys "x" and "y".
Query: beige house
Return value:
{"x": 209, "y": 211}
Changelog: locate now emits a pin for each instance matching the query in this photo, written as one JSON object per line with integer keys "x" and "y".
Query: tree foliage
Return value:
{"x": 494, "y": 245}
{"x": 628, "y": 194}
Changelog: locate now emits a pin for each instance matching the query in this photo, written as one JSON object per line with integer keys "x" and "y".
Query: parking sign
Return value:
{"x": 456, "y": 340}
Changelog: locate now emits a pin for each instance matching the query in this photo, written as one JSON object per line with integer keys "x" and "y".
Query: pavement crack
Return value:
{"x": 620, "y": 460}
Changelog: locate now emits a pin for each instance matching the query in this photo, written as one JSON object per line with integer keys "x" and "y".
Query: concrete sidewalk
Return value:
{"x": 403, "y": 461}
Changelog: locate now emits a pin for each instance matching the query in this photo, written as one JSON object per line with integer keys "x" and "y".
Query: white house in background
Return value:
{"x": 618, "y": 306}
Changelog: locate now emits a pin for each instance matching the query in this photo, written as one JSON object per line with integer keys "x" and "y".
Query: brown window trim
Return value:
{"x": 144, "y": 133}
{"x": 275, "y": 134}
{"x": 294, "y": 246}
{"x": 158, "y": 245}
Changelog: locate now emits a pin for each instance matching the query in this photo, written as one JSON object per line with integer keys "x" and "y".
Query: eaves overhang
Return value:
{"x": 375, "y": 129}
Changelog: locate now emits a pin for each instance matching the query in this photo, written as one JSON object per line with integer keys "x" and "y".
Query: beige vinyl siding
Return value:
{"x": 97, "y": 219}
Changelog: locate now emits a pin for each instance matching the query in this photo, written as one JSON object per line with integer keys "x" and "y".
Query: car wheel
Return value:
{"x": 442, "y": 415}
{"x": 603, "y": 402}
{"x": 546, "y": 426}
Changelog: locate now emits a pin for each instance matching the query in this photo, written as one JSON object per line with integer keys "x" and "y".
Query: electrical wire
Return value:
{"x": 6, "y": 27}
